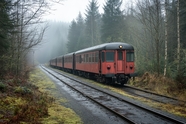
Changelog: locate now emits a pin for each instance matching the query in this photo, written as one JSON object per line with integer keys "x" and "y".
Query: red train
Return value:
{"x": 109, "y": 62}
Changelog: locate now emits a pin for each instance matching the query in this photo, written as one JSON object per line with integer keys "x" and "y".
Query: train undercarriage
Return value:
{"x": 106, "y": 79}
{"x": 120, "y": 79}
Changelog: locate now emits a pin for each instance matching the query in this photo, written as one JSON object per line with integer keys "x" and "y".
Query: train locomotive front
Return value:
{"x": 117, "y": 63}
{"x": 109, "y": 62}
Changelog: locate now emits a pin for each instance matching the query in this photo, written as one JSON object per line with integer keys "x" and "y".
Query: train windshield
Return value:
{"x": 130, "y": 56}
{"x": 109, "y": 56}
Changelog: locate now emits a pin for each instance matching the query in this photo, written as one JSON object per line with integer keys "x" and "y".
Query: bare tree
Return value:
{"x": 178, "y": 35}
{"x": 28, "y": 30}
{"x": 150, "y": 15}
{"x": 166, "y": 37}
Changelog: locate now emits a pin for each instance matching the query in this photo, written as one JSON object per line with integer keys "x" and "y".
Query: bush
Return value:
{"x": 2, "y": 87}
{"x": 22, "y": 90}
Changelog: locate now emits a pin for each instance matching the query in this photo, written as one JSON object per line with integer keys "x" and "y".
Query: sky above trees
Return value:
{"x": 69, "y": 9}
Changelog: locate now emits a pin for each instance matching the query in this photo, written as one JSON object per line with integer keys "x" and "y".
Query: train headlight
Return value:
{"x": 120, "y": 46}
{"x": 108, "y": 67}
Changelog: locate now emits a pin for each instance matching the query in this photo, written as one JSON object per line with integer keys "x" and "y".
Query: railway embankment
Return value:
{"x": 34, "y": 100}
{"x": 161, "y": 85}
{"x": 166, "y": 87}
{"x": 37, "y": 100}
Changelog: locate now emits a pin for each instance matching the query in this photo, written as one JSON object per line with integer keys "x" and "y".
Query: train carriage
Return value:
{"x": 53, "y": 62}
{"x": 109, "y": 62}
{"x": 60, "y": 62}
{"x": 68, "y": 62}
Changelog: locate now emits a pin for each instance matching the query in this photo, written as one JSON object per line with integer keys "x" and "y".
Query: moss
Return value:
{"x": 179, "y": 110}
{"x": 22, "y": 90}
{"x": 156, "y": 84}
{"x": 57, "y": 113}
{"x": 2, "y": 87}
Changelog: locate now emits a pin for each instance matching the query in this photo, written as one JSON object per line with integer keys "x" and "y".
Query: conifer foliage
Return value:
{"x": 5, "y": 25}
{"x": 92, "y": 23}
{"x": 112, "y": 21}
{"x": 20, "y": 32}
{"x": 75, "y": 35}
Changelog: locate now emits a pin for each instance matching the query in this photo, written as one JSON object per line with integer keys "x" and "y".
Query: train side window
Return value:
{"x": 130, "y": 56}
{"x": 93, "y": 57}
{"x": 120, "y": 55}
{"x": 86, "y": 57}
{"x": 96, "y": 57}
{"x": 80, "y": 59}
{"x": 102, "y": 56}
{"x": 76, "y": 58}
{"x": 83, "y": 58}
{"x": 110, "y": 56}
{"x": 90, "y": 57}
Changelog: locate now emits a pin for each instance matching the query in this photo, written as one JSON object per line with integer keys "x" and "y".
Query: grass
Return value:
{"x": 33, "y": 101}
{"x": 156, "y": 84}
{"x": 164, "y": 86}
{"x": 58, "y": 114}
{"x": 161, "y": 85}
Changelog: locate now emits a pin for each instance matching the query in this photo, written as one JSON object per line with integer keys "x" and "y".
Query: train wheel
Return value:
{"x": 108, "y": 80}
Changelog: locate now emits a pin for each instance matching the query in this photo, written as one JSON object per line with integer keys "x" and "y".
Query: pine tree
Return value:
{"x": 80, "y": 32}
{"x": 72, "y": 37}
{"x": 6, "y": 28}
{"x": 92, "y": 23}
{"x": 112, "y": 21}
{"x": 183, "y": 22}
{"x": 5, "y": 25}
{"x": 76, "y": 34}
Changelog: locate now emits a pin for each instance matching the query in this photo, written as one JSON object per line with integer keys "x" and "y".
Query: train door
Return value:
{"x": 73, "y": 63}
{"x": 63, "y": 62}
{"x": 120, "y": 61}
{"x": 56, "y": 62}
{"x": 99, "y": 61}
{"x": 129, "y": 62}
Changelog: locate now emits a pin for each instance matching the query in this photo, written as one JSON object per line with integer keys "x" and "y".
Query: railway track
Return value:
{"x": 129, "y": 111}
{"x": 152, "y": 96}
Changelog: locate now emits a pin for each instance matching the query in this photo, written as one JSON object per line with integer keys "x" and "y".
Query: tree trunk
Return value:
{"x": 178, "y": 35}
{"x": 165, "y": 66}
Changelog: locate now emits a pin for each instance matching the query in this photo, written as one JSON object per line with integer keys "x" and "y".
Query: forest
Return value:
{"x": 156, "y": 29}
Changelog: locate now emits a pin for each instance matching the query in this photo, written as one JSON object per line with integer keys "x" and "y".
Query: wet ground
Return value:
{"x": 89, "y": 112}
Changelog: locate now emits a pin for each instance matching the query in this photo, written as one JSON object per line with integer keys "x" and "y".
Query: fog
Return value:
{"x": 54, "y": 42}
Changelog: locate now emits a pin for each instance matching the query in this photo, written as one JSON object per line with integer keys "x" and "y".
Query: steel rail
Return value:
{"x": 118, "y": 114}
{"x": 146, "y": 91}
{"x": 121, "y": 99}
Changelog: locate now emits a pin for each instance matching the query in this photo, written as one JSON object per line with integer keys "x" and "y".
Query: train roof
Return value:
{"x": 107, "y": 46}
{"x": 68, "y": 54}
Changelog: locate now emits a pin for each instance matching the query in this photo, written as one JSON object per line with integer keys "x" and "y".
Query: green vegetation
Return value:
{"x": 150, "y": 26}
{"x": 34, "y": 102}
{"x": 161, "y": 85}
{"x": 22, "y": 102}
{"x": 164, "y": 86}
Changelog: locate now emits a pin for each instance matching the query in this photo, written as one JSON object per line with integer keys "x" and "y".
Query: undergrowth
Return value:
{"x": 161, "y": 85}
{"x": 165, "y": 86}
{"x": 24, "y": 102}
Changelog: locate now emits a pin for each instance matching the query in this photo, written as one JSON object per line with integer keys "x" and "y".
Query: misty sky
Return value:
{"x": 56, "y": 34}
{"x": 70, "y": 9}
